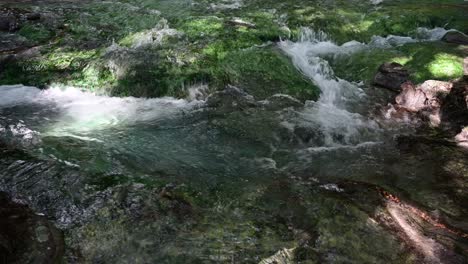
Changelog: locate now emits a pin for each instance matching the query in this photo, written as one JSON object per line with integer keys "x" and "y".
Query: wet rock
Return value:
{"x": 309, "y": 134}
{"x": 391, "y": 76}
{"x": 156, "y": 36}
{"x": 8, "y": 23}
{"x": 198, "y": 92}
{"x": 455, "y": 37}
{"x": 281, "y": 101}
{"x": 33, "y": 16}
{"x": 230, "y": 98}
{"x": 26, "y": 237}
{"x": 437, "y": 103}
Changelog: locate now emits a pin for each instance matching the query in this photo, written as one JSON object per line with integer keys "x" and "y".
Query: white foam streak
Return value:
{"x": 86, "y": 111}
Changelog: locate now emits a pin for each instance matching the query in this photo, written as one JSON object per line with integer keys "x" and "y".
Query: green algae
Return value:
{"x": 263, "y": 72}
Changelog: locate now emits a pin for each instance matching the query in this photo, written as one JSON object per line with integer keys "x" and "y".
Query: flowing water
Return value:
{"x": 174, "y": 180}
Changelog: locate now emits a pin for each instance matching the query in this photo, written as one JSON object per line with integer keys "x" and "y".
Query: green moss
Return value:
{"x": 35, "y": 33}
{"x": 439, "y": 61}
{"x": 216, "y": 50}
{"x": 263, "y": 72}
{"x": 446, "y": 66}
{"x": 101, "y": 23}
{"x": 430, "y": 60}
{"x": 93, "y": 78}
{"x": 203, "y": 27}
{"x": 360, "y": 20}
{"x": 65, "y": 66}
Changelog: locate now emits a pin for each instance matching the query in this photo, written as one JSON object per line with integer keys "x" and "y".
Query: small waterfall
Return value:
{"x": 332, "y": 114}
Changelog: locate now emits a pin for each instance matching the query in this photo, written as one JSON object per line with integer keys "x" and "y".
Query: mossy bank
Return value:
{"x": 144, "y": 48}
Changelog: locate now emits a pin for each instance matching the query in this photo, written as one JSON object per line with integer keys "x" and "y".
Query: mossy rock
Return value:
{"x": 263, "y": 72}
{"x": 424, "y": 61}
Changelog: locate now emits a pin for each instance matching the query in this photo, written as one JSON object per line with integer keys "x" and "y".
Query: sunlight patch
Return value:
{"x": 445, "y": 66}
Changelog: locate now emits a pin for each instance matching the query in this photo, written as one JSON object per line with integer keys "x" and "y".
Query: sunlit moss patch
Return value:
{"x": 446, "y": 66}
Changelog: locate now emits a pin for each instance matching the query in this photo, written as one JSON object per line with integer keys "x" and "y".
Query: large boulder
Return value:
{"x": 455, "y": 37}
{"x": 391, "y": 76}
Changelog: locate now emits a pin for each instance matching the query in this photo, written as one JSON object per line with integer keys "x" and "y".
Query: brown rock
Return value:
{"x": 391, "y": 76}
{"x": 455, "y": 37}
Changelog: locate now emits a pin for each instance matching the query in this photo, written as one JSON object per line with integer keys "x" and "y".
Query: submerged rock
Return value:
{"x": 26, "y": 237}
{"x": 391, "y": 75}
{"x": 455, "y": 37}
{"x": 280, "y": 101}
{"x": 231, "y": 98}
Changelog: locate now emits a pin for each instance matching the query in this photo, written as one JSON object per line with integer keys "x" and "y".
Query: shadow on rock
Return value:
{"x": 26, "y": 237}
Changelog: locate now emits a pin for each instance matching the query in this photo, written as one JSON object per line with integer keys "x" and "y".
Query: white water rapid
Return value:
{"x": 71, "y": 112}
{"x": 334, "y": 114}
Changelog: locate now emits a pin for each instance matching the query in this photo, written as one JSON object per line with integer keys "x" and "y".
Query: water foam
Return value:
{"x": 330, "y": 114}
{"x": 86, "y": 111}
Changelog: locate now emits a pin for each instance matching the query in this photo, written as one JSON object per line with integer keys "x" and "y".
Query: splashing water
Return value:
{"x": 336, "y": 113}
{"x": 80, "y": 111}
{"x": 332, "y": 112}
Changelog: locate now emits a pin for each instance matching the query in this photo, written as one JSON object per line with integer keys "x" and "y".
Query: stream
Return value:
{"x": 227, "y": 178}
